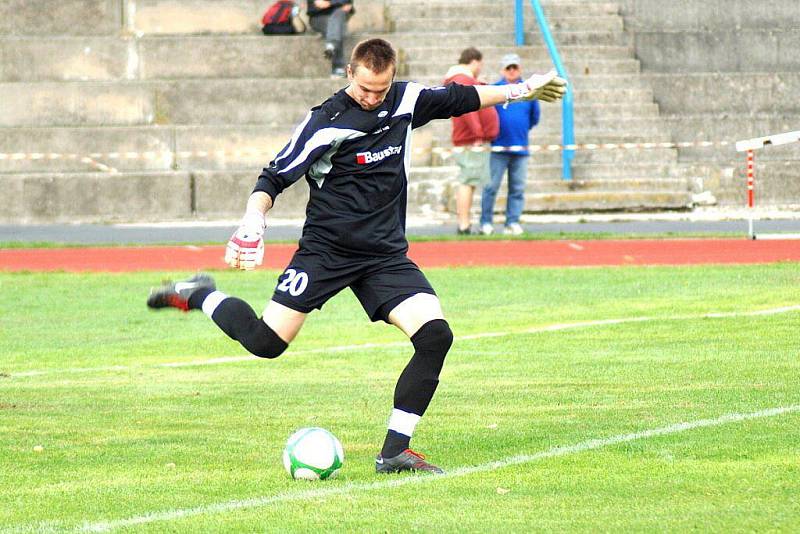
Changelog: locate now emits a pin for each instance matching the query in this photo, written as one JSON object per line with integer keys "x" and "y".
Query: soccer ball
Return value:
{"x": 313, "y": 454}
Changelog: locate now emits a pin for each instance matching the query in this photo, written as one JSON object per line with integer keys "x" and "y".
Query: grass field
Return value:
{"x": 129, "y": 444}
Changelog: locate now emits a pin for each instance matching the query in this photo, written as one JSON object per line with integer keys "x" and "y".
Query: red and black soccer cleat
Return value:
{"x": 176, "y": 294}
{"x": 407, "y": 460}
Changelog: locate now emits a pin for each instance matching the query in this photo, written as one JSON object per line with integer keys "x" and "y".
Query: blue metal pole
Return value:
{"x": 519, "y": 23}
{"x": 567, "y": 115}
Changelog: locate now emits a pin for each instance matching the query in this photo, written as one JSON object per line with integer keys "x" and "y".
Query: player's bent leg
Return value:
{"x": 421, "y": 318}
{"x": 285, "y": 321}
{"x": 234, "y": 316}
{"x": 237, "y": 319}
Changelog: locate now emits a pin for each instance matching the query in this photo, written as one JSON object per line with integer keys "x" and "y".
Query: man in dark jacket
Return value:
{"x": 329, "y": 18}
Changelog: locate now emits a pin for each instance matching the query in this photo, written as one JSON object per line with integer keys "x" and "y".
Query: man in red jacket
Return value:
{"x": 472, "y": 131}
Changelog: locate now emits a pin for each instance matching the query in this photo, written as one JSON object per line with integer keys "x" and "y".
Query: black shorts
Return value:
{"x": 380, "y": 284}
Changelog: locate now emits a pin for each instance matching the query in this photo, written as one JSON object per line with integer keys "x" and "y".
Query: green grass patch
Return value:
{"x": 143, "y": 438}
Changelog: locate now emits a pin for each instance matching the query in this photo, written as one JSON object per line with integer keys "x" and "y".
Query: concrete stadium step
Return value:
{"x": 596, "y": 67}
{"x": 212, "y": 101}
{"x": 44, "y": 17}
{"x": 161, "y": 102}
{"x": 239, "y": 56}
{"x": 641, "y": 126}
{"x": 505, "y": 38}
{"x": 776, "y": 183}
{"x": 456, "y": 21}
{"x": 46, "y": 58}
{"x": 581, "y": 201}
{"x": 731, "y": 49}
{"x": 75, "y": 103}
{"x": 95, "y": 197}
{"x": 528, "y": 54}
{"x": 621, "y": 83}
{"x": 643, "y": 129}
{"x": 735, "y": 93}
{"x": 713, "y": 15}
{"x": 142, "y": 148}
{"x": 619, "y": 156}
{"x": 555, "y": 195}
{"x": 708, "y": 127}
{"x": 244, "y": 147}
{"x": 214, "y": 56}
{"x": 474, "y": 9}
{"x": 227, "y": 16}
{"x": 161, "y": 57}
{"x": 614, "y": 177}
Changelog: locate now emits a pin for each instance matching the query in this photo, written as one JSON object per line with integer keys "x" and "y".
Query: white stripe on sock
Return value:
{"x": 212, "y": 301}
{"x": 403, "y": 422}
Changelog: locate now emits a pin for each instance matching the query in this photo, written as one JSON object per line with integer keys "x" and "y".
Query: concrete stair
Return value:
{"x": 725, "y": 70}
{"x": 613, "y": 103}
{"x": 188, "y": 90}
{"x": 547, "y": 195}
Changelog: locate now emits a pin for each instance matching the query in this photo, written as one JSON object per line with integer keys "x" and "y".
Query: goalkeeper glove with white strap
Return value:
{"x": 547, "y": 87}
{"x": 245, "y": 248}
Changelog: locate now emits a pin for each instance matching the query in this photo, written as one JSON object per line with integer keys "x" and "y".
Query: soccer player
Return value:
{"x": 354, "y": 150}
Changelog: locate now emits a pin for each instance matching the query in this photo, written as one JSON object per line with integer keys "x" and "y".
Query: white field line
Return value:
{"x": 482, "y": 335}
{"x": 350, "y": 488}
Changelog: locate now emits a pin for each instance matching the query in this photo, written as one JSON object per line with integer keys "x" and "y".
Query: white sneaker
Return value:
{"x": 513, "y": 229}
{"x": 487, "y": 229}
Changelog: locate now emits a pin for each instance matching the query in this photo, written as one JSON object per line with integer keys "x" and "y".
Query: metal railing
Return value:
{"x": 567, "y": 115}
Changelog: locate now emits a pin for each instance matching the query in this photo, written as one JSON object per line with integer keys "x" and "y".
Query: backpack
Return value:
{"x": 281, "y": 18}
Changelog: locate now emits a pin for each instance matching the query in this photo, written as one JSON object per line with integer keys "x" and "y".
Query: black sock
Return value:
{"x": 198, "y": 296}
{"x": 394, "y": 444}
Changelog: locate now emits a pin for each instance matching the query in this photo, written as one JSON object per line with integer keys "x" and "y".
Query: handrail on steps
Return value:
{"x": 567, "y": 115}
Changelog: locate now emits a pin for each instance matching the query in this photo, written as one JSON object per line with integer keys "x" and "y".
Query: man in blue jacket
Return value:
{"x": 509, "y": 153}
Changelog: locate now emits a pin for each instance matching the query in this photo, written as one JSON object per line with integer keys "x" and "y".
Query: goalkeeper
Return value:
{"x": 354, "y": 150}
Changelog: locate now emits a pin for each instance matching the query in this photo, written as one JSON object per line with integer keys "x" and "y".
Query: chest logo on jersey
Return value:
{"x": 363, "y": 158}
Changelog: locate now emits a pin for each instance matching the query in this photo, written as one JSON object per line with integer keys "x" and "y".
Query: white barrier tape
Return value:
{"x": 256, "y": 152}
{"x": 99, "y": 166}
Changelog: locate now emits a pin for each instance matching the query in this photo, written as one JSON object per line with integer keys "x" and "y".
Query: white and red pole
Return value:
{"x": 751, "y": 184}
{"x": 750, "y": 146}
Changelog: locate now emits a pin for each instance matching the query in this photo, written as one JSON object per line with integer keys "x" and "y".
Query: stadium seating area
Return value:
{"x": 186, "y": 100}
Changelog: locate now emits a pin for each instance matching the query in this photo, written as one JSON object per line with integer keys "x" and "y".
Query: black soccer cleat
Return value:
{"x": 176, "y": 294}
{"x": 407, "y": 460}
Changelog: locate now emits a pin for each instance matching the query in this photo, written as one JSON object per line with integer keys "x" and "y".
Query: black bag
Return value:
{"x": 281, "y": 19}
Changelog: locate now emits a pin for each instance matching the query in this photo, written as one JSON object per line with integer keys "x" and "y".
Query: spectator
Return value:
{"x": 329, "y": 18}
{"x": 509, "y": 153}
{"x": 473, "y": 131}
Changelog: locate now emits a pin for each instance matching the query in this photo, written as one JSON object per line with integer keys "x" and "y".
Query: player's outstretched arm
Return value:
{"x": 245, "y": 248}
{"x": 546, "y": 87}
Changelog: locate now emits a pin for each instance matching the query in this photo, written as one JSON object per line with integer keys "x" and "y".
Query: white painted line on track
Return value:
{"x": 350, "y": 488}
{"x": 363, "y": 346}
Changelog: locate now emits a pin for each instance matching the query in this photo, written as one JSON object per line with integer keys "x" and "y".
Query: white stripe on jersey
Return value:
{"x": 297, "y": 131}
{"x": 409, "y": 101}
{"x": 407, "y": 155}
{"x": 324, "y": 137}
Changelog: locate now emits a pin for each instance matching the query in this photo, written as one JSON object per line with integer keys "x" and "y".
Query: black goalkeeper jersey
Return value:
{"x": 357, "y": 164}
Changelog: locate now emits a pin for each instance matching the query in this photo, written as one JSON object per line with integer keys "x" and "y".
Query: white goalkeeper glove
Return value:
{"x": 245, "y": 248}
{"x": 547, "y": 87}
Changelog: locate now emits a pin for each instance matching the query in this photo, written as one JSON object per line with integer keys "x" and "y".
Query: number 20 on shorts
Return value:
{"x": 294, "y": 282}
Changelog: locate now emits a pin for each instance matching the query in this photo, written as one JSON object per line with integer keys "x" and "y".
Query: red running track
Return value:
{"x": 426, "y": 254}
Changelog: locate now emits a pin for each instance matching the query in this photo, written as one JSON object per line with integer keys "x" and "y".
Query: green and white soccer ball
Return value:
{"x": 313, "y": 454}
